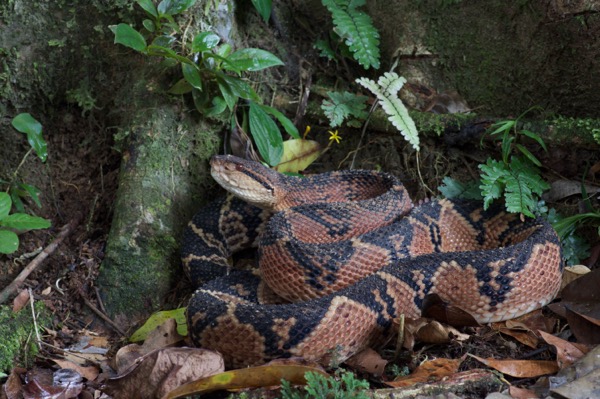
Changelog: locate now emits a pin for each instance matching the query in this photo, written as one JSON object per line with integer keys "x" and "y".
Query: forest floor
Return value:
{"x": 79, "y": 182}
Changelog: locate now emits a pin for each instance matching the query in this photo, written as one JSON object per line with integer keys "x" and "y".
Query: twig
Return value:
{"x": 35, "y": 326}
{"x": 12, "y": 287}
{"x": 103, "y": 316}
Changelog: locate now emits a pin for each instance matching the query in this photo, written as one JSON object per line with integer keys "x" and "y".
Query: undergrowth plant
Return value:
{"x": 12, "y": 223}
{"x": 516, "y": 176}
{"x": 343, "y": 386}
{"x": 212, "y": 72}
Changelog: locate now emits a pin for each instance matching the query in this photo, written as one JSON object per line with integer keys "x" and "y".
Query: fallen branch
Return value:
{"x": 11, "y": 289}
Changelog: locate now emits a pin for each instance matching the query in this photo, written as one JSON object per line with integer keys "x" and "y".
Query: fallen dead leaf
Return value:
{"x": 524, "y": 328}
{"x": 520, "y": 368}
{"x": 428, "y": 371}
{"x": 435, "y": 307}
{"x": 161, "y": 371}
{"x": 521, "y": 393}
{"x": 13, "y": 385}
{"x": 90, "y": 373}
{"x": 252, "y": 377}
{"x": 573, "y": 381}
{"x": 43, "y": 383}
{"x": 567, "y": 352}
{"x": 572, "y": 273}
{"x": 20, "y": 300}
{"x": 430, "y": 332}
{"x": 368, "y": 361}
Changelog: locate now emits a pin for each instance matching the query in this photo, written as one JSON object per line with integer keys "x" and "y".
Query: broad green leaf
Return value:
{"x": 158, "y": 319}
{"x": 239, "y": 87}
{"x": 181, "y": 87}
{"x": 25, "y": 123}
{"x": 201, "y": 100}
{"x": 17, "y": 202}
{"x": 23, "y": 221}
{"x": 9, "y": 242}
{"x": 502, "y": 126}
{"x": 127, "y": 36}
{"x": 168, "y": 53}
{"x": 5, "y": 205}
{"x": 192, "y": 75}
{"x": 252, "y": 377}
{"x": 297, "y": 155}
{"x": 148, "y": 6}
{"x": 253, "y": 59}
{"x": 33, "y": 192}
{"x": 205, "y": 41}
{"x": 218, "y": 107}
{"x": 284, "y": 120}
{"x": 224, "y": 50}
{"x": 264, "y": 8}
{"x": 266, "y": 135}
{"x": 228, "y": 96}
{"x": 149, "y": 25}
{"x": 173, "y": 7}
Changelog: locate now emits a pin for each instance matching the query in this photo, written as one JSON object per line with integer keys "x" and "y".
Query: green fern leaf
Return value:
{"x": 343, "y": 105}
{"x": 357, "y": 29}
{"x": 518, "y": 196}
{"x": 452, "y": 188}
{"x": 530, "y": 175}
{"x": 493, "y": 181}
{"x": 386, "y": 89}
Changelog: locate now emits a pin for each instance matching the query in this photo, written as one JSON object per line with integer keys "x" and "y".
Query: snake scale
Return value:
{"x": 342, "y": 254}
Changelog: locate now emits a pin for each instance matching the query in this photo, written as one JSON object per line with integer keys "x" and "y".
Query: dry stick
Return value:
{"x": 103, "y": 316}
{"x": 12, "y": 287}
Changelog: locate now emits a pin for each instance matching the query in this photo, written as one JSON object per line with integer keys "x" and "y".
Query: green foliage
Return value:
{"x": 451, "y": 188}
{"x": 263, "y": 7}
{"x": 25, "y": 123}
{"x": 343, "y": 105}
{"x": 11, "y": 223}
{"x": 578, "y": 126}
{"x": 356, "y": 29}
{"x": 318, "y": 386}
{"x": 386, "y": 89}
{"x": 516, "y": 177}
{"x": 211, "y": 71}
{"x": 575, "y": 248}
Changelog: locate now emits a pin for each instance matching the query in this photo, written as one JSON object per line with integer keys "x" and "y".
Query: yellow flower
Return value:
{"x": 334, "y": 136}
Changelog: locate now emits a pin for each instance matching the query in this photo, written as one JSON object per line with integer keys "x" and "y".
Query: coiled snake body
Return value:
{"x": 350, "y": 253}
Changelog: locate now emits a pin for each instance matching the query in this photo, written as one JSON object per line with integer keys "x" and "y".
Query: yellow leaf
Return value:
{"x": 297, "y": 155}
{"x": 159, "y": 318}
{"x": 253, "y": 377}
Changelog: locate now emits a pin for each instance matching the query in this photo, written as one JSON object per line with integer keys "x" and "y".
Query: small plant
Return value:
{"x": 211, "y": 71}
{"x": 343, "y": 105}
{"x": 386, "y": 89}
{"x": 11, "y": 223}
{"x": 516, "y": 177}
{"x": 356, "y": 29}
{"x": 346, "y": 386}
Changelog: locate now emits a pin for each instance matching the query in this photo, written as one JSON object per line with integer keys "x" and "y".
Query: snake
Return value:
{"x": 343, "y": 254}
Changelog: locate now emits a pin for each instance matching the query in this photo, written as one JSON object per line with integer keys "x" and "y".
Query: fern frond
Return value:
{"x": 343, "y": 105}
{"x": 493, "y": 181}
{"x": 386, "y": 89}
{"x": 357, "y": 29}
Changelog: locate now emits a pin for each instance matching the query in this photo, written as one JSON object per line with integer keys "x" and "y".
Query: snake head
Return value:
{"x": 248, "y": 180}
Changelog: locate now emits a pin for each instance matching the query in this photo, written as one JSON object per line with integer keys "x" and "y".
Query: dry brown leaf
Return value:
{"x": 90, "y": 373}
{"x": 583, "y": 328}
{"x": 566, "y": 352}
{"x": 430, "y": 332}
{"x": 524, "y": 328}
{"x": 428, "y": 371}
{"x": 20, "y": 300}
{"x": 159, "y": 372}
{"x": 572, "y": 273}
{"x": 43, "y": 383}
{"x": 435, "y": 307}
{"x": 162, "y": 336}
{"x": 368, "y": 361}
{"x": 13, "y": 386}
{"x": 520, "y": 368}
{"x": 126, "y": 356}
{"x": 521, "y": 393}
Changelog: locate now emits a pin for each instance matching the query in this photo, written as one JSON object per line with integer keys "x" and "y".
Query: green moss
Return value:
{"x": 18, "y": 335}
{"x": 428, "y": 123}
{"x": 585, "y": 128}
